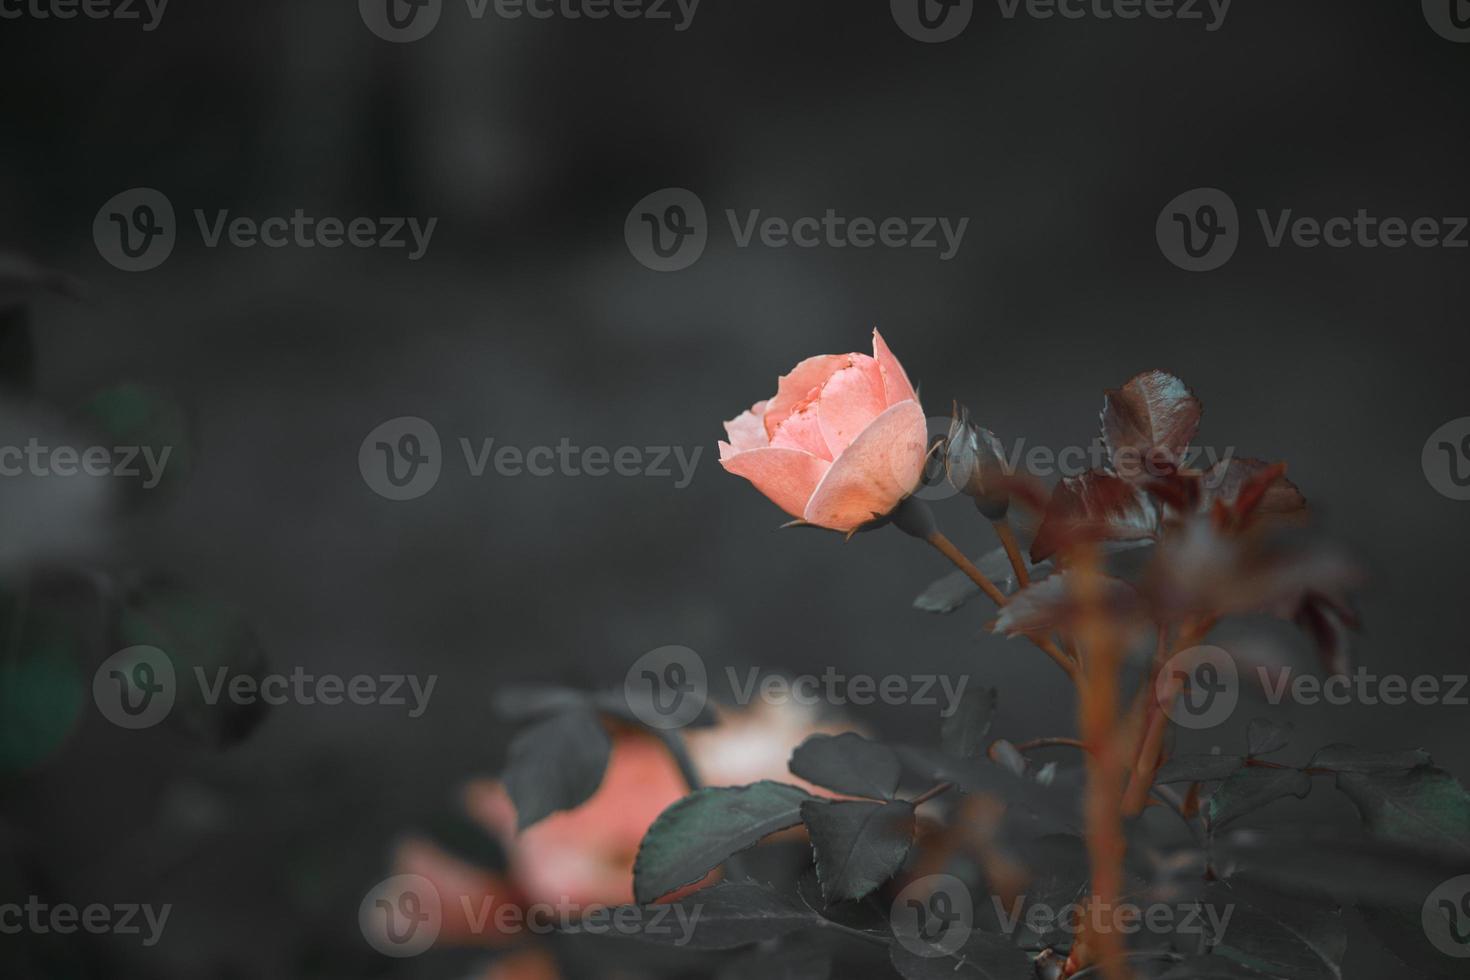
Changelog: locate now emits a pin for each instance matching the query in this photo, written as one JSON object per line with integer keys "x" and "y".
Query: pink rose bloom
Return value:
{"x": 842, "y": 441}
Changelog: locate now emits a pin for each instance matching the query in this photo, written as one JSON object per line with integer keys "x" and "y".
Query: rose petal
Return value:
{"x": 882, "y": 465}
{"x": 787, "y": 476}
{"x": 793, "y": 388}
{"x": 748, "y": 429}
{"x": 802, "y": 431}
{"x": 850, "y": 401}
{"x": 896, "y": 387}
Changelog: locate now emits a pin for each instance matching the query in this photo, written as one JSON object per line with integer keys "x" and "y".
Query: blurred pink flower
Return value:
{"x": 842, "y": 441}
{"x": 584, "y": 857}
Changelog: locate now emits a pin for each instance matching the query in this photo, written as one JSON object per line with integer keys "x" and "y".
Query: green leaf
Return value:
{"x": 724, "y": 915}
{"x": 1266, "y": 736}
{"x": 41, "y": 685}
{"x": 848, "y": 764}
{"x": 963, "y": 733}
{"x": 208, "y": 642}
{"x": 1295, "y": 943}
{"x": 698, "y": 833}
{"x": 1247, "y": 790}
{"x": 134, "y": 415}
{"x": 1347, "y": 758}
{"x": 1198, "y": 768}
{"x": 1424, "y": 806}
{"x": 858, "y": 845}
{"x": 556, "y": 764}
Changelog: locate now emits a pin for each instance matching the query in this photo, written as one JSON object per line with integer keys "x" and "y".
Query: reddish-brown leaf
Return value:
{"x": 1095, "y": 506}
{"x": 1148, "y": 423}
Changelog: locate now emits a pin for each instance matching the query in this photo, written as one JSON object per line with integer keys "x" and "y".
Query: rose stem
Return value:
{"x": 930, "y": 793}
{"x": 1051, "y": 742}
{"x": 946, "y": 547}
{"x": 1013, "y": 551}
{"x": 1098, "y": 723}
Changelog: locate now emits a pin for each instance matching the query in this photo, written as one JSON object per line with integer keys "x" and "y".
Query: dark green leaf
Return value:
{"x": 138, "y": 417}
{"x": 1211, "y": 968}
{"x": 1051, "y": 806}
{"x": 1349, "y": 869}
{"x": 848, "y": 764}
{"x": 983, "y": 957}
{"x": 698, "y": 833}
{"x": 1198, "y": 768}
{"x": 949, "y": 593}
{"x": 792, "y": 958}
{"x": 722, "y": 916}
{"x": 41, "y": 685}
{"x": 208, "y": 643}
{"x": 1266, "y": 736}
{"x": 1247, "y": 790}
{"x": 858, "y": 845}
{"x": 1295, "y": 943}
{"x": 556, "y": 764}
{"x": 466, "y": 839}
{"x": 1424, "y": 806}
{"x": 963, "y": 733}
{"x": 1347, "y": 758}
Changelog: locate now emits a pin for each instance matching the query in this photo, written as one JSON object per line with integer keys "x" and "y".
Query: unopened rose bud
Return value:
{"x": 975, "y": 462}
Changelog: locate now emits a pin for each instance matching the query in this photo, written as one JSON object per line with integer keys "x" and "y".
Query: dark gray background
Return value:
{"x": 529, "y": 321}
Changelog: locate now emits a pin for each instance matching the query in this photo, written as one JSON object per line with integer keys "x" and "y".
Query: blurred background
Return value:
{"x": 529, "y": 321}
